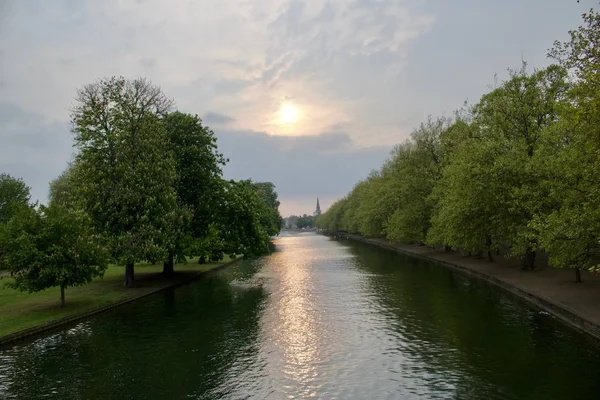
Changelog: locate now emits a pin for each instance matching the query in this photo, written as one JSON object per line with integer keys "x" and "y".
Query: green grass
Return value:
{"x": 22, "y": 310}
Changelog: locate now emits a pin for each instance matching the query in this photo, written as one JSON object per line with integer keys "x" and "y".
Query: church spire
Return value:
{"x": 318, "y": 209}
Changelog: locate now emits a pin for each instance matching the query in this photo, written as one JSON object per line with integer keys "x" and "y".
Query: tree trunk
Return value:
{"x": 529, "y": 259}
{"x": 447, "y": 248}
{"x": 62, "y": 295}
{"x": 168, "y": 269}
{"x": 578, "y": 275}
{"x": 129, "y": 277}
{"x": 488, "y": 242}
{"x": 498, "y": 251}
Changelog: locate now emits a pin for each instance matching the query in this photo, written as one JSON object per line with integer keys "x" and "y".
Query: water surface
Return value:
{"x": 319, "y": 319}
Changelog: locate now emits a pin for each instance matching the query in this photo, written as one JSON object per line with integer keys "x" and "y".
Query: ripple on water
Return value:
{"x": 317, "y": 319}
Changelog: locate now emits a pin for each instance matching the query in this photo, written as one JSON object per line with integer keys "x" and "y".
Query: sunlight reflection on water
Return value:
{"x": 317, "y": 319}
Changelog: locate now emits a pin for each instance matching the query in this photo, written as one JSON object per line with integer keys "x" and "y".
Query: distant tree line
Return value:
{"x": 301, "y": 221}
{"x": 145, "y": 185}
{"x": 519, "y": 170}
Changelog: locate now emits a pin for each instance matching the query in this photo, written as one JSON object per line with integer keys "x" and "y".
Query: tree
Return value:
{"x": 332, "y": 219}
{"x": 125, "y": 172}
{"x": 239, "y": 221}
{"x": 268, "y": 207}
{"x": 570, "y": 232}
{"x": 515, "y": 116}
{"x": 61, "y": 190}
{"x": 416, "y": 167}
{"x": 305, "y": 221}
{"x": 519, "y": 170}
{"x": 13, "y": 193}
{"x": 198, "y": 185}
{"x": 52, "y": 246}
{"x": 468, "y": 209}
{"x": 378, "y": 203}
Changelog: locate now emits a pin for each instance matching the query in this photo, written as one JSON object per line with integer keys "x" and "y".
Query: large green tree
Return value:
{"x": 468, "y": 208}
{"x": 514, "y": 116}
{"x": 52, "y": 246}
{"x": 570, "y": 232}
{"x": 126, "y": 172}
{"x": 198, "y": 185}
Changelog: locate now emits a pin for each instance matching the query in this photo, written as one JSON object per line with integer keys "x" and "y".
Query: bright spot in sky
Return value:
{"x": 288, "y": 114}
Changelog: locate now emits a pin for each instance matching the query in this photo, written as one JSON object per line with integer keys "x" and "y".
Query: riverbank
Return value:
{"x": 23, "y": 314}
{"x": 552, "y": 290}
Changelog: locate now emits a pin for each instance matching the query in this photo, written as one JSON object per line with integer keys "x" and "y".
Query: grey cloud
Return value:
{"x": 68, "y": 61}
{"x": 354, "y": 60}
{"x": 230, "y": 86}
{"x": 148, "y": 62}
{"x": 33, "y": 148}
{"x": 213, "y": 118}
{"x": 325, "y": 165}
{"x": 11, "y": 114}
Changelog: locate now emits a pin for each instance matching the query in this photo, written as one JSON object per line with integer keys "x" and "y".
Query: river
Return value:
{"x": 321, "y": 319}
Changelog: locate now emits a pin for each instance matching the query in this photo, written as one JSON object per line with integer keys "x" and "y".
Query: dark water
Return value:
{"x": 317, "y": 319}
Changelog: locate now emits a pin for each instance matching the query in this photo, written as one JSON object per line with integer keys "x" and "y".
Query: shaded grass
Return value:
{"x": 22, "y": 310}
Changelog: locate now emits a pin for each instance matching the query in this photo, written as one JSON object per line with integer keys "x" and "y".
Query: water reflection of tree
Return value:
{"x": 184, "y": 342}
{"x": 483, "y": 342}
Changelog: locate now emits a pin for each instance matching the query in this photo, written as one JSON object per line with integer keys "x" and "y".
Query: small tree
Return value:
{"x": 61, "y": 188}
{"x": 13, "y": 193}
{"x": 51, "y": 246}
{"x": 268, "y": 207}
{"x": 239, "y": 221}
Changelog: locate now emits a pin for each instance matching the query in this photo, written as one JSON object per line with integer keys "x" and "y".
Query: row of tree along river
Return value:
{"x": 518, "y": 171}
{"x": 144, "y": 185}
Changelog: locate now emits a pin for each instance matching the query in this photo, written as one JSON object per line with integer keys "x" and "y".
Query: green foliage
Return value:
{"x": 145, "y": 185}
{"x": 268, "y": 207}
{"x": 125, "y": 174}
{"x": 416, "y": 167}
{"x": 570, "y": 232}
{"x": 198, "y": 185}
{"x": 61, "y": 190}
{"x": 518, "y": 170}
{"x": 13, "y": 194}
{"x": 305, "y": 221}
{"x": 52, "y": 246}
{"x": 469, "y": 211}
{"x": 332, "y": 219}
{"x": 239, "y": 220}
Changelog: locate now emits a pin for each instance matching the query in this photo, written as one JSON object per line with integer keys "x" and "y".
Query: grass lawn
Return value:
{"x": 21, "y": 310}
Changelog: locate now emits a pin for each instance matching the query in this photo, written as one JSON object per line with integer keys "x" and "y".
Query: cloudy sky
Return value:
{"x": 310, "y": 95}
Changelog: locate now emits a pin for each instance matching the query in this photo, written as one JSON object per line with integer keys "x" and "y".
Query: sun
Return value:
{"x": 288, "y": 114}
